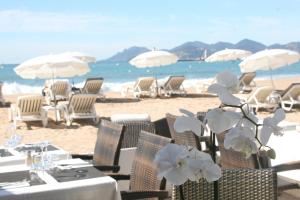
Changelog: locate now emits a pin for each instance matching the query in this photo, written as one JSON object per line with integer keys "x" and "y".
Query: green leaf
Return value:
{"x": 271, "y": 153}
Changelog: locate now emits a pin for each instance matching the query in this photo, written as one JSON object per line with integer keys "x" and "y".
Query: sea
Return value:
{"x": 118, "y": 74}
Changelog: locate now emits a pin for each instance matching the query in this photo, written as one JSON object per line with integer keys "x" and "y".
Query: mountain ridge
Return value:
{"x": 193, "y": 50}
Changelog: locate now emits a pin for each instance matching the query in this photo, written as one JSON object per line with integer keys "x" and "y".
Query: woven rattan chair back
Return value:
{"x": 144, "y": 172}
{"x": 133, "y": 130}
{"x": 233, "y": 159}
{"x": 108, "y": 144}
{"x": 250, "y": 184}
{"x": 292, "y": 91}
{"x": 188, "y": 138}
{"x": 92, "y": 85}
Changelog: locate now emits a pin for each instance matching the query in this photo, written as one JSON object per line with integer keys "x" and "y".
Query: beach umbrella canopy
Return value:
{"x": 81, "y": 56}
{"x": 269, "y": 59}
{"x": 153, "y": 58}
{"x": 228, "y": 55}
{"x": 52, "y": 66}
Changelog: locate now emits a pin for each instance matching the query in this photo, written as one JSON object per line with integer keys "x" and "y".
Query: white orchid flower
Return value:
{"x": 188, "y": 122}
{"x": 241, "y": 139}
{"x": 228, "y": 80}
{"x": 225, "y": 96}
{"x": 172, "y": 164}
{"x": 270, "y": 125}
{"x": 202, "y": 166}
{"x": 219, "y": 120}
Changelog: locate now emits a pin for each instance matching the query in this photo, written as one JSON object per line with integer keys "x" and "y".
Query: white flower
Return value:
{"x": 202, "y": 166}
{"x": 228, "y": 80}
{"x": 219, "y": 120}
{"x": 270, "y": 126}
{"x": 241, "y": 139}
{"x": 225, "y": 96}
{"x": 188, "y": 122}
{"x": 172, "y": 164}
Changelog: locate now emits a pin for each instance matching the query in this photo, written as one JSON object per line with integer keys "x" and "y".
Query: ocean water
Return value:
{"x": 118, "y": 74}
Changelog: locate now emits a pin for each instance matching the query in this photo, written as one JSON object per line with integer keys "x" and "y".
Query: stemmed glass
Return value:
{"x": 13, "y": 138}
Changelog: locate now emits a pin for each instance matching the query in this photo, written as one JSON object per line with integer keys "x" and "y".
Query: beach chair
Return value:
{"x": 107, "y": 148}
{"x": 28, "y": 108}
{"x": 232, "y": 159}
{"x": 57, "y": 91}
{"x": 250, "y": 184}
{"x": 92, "y": 86}
{"x": 246, "y": 81}
{"x": 2, "y": 101}
{"x": 173, "y": 86}
{"x": 144, "y": 86}
{"x": 143, "y": 178}
{"x": 80, "y": 106}
{"x": 290, "y": 97}
{"x": 260, "y": 98}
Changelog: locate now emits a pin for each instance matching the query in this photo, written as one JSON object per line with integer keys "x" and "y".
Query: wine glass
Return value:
{"x": 13, "y": 138}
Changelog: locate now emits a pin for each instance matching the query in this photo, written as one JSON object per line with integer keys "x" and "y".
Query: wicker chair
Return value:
{"x": 107, "y": 148}
{"x": 132, "y": 132}
{"x": 250, "y": 184}
{"x": 187, "y": 138}
{"x": 233, "y": 159}
{"x": 143, "y": 178}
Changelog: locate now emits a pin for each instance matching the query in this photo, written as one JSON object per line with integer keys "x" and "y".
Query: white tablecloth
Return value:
{"x": 104, "y": 188}
{"x": 287, "y": 148}
{"x": 19, "y": 158}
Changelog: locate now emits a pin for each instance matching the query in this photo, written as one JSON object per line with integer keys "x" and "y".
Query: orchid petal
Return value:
{"x": 186, "y": 112}
{"x": 183, "y": 124}
{"x": 265, "y": 134}
{"x": 279, "y": 115}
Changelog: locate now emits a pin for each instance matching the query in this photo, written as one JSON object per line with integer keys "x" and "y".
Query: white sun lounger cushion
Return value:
{"x": 130, "y": 117}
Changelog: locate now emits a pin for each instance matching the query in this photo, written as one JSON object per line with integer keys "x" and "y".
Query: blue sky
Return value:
{"x": 101, "y": 28}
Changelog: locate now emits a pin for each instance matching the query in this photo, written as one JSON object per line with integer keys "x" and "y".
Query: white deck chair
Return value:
{"x": 144, "y": 86}
{"x": 173, "y": 86}
{"x": 80, "y": 106}
{"x": 246, "y": 81}
{"x": 2, "y": 101}
{"x": 260, "y": 98}
{"x": 290, "y": 97}
{"x": 92, "y": 86}
{"x": 28, "y": 108}
{"x": 57, "y": 91}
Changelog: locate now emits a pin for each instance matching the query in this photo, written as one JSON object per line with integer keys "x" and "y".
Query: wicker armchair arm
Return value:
{"x": 161, "y": 194}
{"x": 119, "y": 177}
{"x": 83, "y": 156}
{"x": 287, "y": 166}
{"x": 113, "y": 168}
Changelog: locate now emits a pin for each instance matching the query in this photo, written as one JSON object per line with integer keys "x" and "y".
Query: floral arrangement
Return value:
{"x": 179, "y": 163}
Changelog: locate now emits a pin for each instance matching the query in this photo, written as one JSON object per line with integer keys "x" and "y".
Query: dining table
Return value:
{"x": 66, "y": 179}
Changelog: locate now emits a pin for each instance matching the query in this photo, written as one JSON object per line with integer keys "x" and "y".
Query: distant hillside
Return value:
{"x": 127, "y": 54}
{"x": 194, "y": 50}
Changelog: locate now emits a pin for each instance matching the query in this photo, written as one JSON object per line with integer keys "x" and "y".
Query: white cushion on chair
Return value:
{"x": 130, "y": 117}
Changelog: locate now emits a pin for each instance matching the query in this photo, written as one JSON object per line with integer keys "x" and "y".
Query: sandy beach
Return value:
{"x": 81, "y": 136}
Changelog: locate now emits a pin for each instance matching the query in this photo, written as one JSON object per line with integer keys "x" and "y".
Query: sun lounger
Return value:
{"x": 80, "y": 106}
{"x": 92, "y": 86}
{"x": 28, "y": 108}
{"x": 246, "y": 81}
{"x": 144, "y": 86}
{"x": 260, "y": 98}
{"x": 57, "y": 91}
{"x": 2, "y": 101}
{"x": 173, "y": 86}
{"x": 290, "y": 96}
